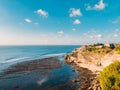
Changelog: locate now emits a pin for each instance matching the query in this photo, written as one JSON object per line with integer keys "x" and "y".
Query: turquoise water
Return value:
{"x": 14, "y": 54}
{"x": 57, "y": 79}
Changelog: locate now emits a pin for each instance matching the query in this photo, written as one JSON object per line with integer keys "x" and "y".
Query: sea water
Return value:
{"x": 10, "y": 55}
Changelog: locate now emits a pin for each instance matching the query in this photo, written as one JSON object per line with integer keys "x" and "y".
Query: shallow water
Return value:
{"x": 34, "y": 74}
{"x": 39, "y": 75}
{"x": 13, "y": 54}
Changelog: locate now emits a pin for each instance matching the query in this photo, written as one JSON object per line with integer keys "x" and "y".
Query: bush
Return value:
{"x": 117, "y": 48}
{"x": 110, "y": 77}
{"x": 97, "y": 44}
{"x": 74, "y": 54}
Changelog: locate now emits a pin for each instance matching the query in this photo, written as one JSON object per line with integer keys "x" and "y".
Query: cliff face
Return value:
{"x": 82, "y": 55}
{"x": 89, "y": 61}
{"x": 93, "y": 58}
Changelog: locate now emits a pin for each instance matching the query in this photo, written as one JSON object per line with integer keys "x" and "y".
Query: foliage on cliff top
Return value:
{"x": 97, "y": 44}
{"x": 117, "y": 48}
{"x": 101, "y": 51}
{"x": 74, "y": 54}
{"x": 110, "y": 77}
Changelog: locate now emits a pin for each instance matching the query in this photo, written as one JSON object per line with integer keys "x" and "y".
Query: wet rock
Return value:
{"x": 16, "y": 88}
{"x": 73, "y": 70}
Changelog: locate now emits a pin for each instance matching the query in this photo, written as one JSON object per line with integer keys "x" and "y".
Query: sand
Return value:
{"x": 105, "y": 61}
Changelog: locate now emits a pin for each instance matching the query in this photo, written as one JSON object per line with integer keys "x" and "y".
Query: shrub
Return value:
{"x": 97, "y": 44}
{"x": 117, "y": 48}
{"x": 89, "y": 49}
{"x": 110, "y": 77}
{"x": 74, "y": 54}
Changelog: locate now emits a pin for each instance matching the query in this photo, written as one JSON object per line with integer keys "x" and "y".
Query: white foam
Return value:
{"x": 15, "y": 60}
{"x": 50, "y": 55}
{"x": 40, "y": 82}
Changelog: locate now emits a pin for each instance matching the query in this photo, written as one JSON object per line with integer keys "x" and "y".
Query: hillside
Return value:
{"x": 90, "y": 60}
{"x": 93, "y": 57}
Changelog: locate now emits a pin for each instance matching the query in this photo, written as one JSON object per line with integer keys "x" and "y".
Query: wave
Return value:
{"x": 40, "y": 82}
{"x": 52, "y": 55}
{"x": 14, "y": 60}
{"x": 10, "y": 58}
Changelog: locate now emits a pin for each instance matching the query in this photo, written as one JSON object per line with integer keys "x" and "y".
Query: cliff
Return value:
{"x": 90, "y": 60}
{"x": 92, "y": 57}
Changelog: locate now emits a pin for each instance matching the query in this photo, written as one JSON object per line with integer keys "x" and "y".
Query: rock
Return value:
{"x": 74, "y": 81}
{"x": 73, "y": 70}
{"x": 16, "y": 88}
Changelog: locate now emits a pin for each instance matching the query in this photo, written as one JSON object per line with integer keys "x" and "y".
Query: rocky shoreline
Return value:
{"x": 87, "y": 80}
{"x": 90, "y": 61}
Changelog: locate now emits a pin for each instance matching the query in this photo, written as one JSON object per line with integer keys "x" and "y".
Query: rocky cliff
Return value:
{"x": 90, "y": 60}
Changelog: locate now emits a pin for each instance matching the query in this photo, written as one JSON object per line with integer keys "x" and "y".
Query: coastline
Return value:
{"x": 90, "y": 64}
{"x": 87, "y": 80}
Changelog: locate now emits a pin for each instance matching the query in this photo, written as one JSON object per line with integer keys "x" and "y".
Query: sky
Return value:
{"x": 59, "y": 22}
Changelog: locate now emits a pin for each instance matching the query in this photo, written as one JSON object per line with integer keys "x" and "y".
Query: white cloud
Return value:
{"x": 60, "y": 32}
{"x": 73, "y": 29}
{"x": 42, "y": 13}
{"x": 74, "y": 12}
{"x": 99, "y": 36}
{"x": 28, "y": 20}
{"x": 8, "y": 36}
{"x": 77, "y": 21}
{"x": 117, "y": 30}
{"x": 116, "y": 35}
{"x": 100, "y": 6}
{"x": 91, "y": 37}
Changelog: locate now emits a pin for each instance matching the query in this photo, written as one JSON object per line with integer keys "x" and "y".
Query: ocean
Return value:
{"x": 14, "y": 54}
{"x": 35, "y": 80}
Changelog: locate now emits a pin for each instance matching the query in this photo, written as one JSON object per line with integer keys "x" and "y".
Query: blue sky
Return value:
{"x": 61, "y": 22}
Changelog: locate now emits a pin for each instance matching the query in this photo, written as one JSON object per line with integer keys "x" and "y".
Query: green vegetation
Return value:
{"x": 103, "y": 51}
{"x": 110, "y": 77}
{"x": 117, "y": 48}
{"x": 98, "y": 44}
{"x": 112, "y": 46}
{"x": 74, "y": 54}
